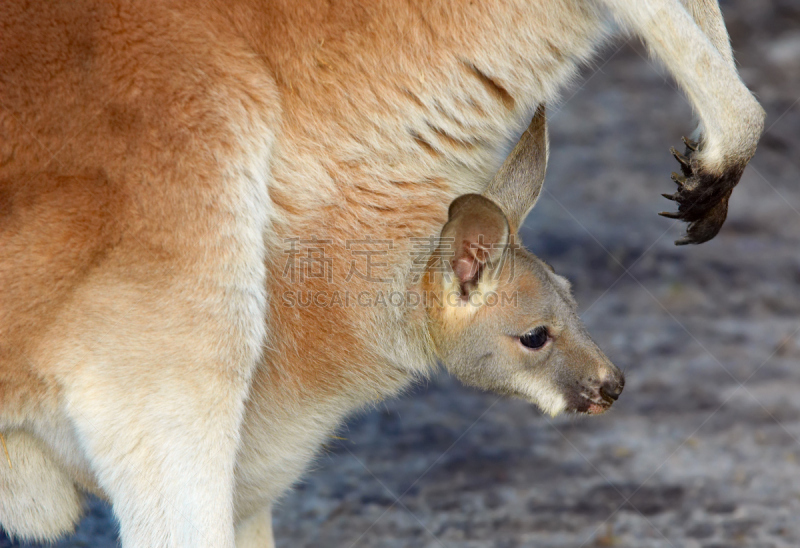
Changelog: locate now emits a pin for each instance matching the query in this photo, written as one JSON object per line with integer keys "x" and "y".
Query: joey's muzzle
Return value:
{"x": 609, "y": 391}
{"x": 595, "y": 396}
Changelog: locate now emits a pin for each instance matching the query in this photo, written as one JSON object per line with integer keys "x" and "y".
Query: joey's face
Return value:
{"x": 511, "y": 326}
{"x": 523, "y": 338}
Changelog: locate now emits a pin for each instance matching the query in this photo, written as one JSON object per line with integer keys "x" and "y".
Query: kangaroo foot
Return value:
{"x": 702, "y": 196}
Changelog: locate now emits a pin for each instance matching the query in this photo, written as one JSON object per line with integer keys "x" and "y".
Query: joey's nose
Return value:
{"x": 612, "y": 388}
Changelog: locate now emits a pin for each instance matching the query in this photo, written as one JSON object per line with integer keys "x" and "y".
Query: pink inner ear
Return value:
{"x": 470, "y": 263}
{"x": 467, "y": 269}
{"x": 478, "y": 228}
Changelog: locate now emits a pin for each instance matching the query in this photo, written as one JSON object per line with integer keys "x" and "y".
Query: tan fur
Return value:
{"x": 156, "y": 158}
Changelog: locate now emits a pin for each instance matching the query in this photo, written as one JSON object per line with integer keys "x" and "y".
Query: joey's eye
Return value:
{"x": 534, "y": 339}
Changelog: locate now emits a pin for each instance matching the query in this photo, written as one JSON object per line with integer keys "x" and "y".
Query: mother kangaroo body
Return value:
{"x": 162, "y": 166}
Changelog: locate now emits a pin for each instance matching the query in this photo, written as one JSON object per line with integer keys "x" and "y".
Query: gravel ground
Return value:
{"x": 702, "y": 449}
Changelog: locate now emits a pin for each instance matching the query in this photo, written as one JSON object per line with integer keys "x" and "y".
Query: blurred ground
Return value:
{"x": 702, "y": 449}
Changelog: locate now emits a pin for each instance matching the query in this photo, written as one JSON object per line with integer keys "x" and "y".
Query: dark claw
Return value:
{"x": 702, "y": 196}
{"x": 680, "y": 157}
{"x": 680, "y": 179}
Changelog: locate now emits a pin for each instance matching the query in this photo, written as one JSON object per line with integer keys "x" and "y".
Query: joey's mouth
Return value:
{"x": 587, "y": 404}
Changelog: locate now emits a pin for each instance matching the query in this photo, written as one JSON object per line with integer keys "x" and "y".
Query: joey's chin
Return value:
{"x": 552, "y": 406}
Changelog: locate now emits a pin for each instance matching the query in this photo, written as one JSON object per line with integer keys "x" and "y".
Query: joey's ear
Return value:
{"x": 477, "y": 234}
{"x": 517, "y": 184}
